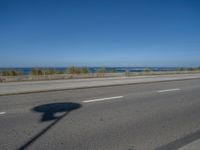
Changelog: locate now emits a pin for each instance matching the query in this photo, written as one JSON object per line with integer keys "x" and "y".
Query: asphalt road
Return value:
{"x": 160, "y": 116}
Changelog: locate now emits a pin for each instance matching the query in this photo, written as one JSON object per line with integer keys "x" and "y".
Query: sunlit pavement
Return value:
{"x": 161, "y": 116}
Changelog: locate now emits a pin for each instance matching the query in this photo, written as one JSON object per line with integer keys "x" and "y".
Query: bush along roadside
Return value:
{"x": 10, "y": 73}
{"x": 38, "y": 71}
{"x": 77, "y": 70}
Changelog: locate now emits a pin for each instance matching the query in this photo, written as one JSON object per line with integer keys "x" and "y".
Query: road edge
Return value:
{"x": 89, "y": 87}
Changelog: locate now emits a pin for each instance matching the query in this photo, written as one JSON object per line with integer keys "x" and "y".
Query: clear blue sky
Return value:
{"x": 99, "y": 33}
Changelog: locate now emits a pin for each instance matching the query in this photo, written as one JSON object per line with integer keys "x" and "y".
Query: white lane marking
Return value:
{"x": 102, "y": 99}
{"x": 2, "y": 113}
{"x": 169, "y": 90}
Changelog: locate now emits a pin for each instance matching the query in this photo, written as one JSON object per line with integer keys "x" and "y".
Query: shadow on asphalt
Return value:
{"x": 50, "y": 112}
{"x": 181, "y": 142}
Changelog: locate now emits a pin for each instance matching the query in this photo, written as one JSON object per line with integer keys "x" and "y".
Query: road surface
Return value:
{"x": 160, "y": 116}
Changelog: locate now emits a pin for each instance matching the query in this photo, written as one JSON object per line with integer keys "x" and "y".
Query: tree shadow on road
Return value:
{"x": 181, "y": 142}
{"x": 50, "y": 112}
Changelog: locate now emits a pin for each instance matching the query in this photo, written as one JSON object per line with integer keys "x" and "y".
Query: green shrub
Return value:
{"x": 147, "y": 70}
{"x": 101, "y": 70}
{"x": 190, "y": 69}
{"x": 36, "y": 71}
{"x": 60, "y": 72}
{"x": 10, "y": 73}
{"x": 50, "y": 71}
{"x": 181, "y": 69}
{"x": 84, "y": 70}
{"x": 73, "y": 70}
{"x": 112, "y": 70}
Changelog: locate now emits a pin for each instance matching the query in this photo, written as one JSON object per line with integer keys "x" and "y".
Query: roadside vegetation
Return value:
{"x": 38, "y": 71}
{"x": 127, "y": 72}
{"x": 101, "y": 70}
{"x": 147, "y": 70}
{"x": 52, "y": 72}
{"x": 188, "y": 69}
{"x": 77, "y": 70}
{"x": 112, "y": 70}
{"x": 83, "y": 70}
{"x": 10, "y": 73}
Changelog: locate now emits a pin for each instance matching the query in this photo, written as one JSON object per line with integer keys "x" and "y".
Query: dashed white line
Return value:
{"x": 2, "y": 113}
{"x": 168, "y": 90}
{"x": 102, "y": 99}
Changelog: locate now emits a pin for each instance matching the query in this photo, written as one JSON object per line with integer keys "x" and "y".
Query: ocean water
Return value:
{"x": 93, "y": 69}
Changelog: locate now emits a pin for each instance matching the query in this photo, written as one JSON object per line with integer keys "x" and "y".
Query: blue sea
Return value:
{"x": 93, "y": 69}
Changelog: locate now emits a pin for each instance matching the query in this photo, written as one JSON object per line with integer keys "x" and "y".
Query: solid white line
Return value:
{"x": 102, "y": 99}
{"x": 169, "y": 90}
{"x": 2, "y": 113}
